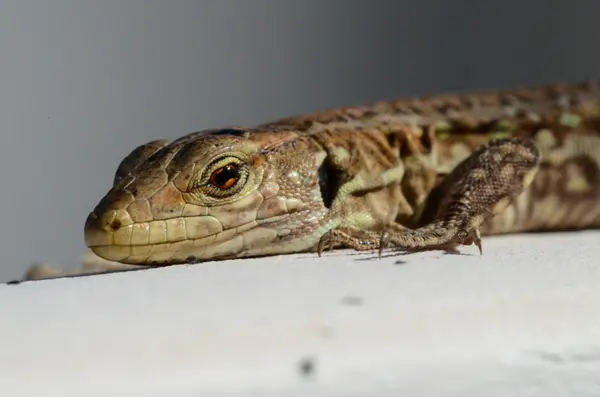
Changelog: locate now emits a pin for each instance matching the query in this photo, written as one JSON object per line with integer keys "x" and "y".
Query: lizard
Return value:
{"x": 423, "y": 173}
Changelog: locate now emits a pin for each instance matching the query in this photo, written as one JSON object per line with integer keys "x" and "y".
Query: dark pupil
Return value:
{"x": 228, "y": 172}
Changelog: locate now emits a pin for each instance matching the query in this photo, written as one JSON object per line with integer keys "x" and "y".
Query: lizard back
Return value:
{"x": 440, "y": 131}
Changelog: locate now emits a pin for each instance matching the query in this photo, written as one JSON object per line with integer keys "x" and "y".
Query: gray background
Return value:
{"x": 83, "y": 82}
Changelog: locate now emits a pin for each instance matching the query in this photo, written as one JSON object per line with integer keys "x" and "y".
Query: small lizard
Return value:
{"x": 425, "y": 173}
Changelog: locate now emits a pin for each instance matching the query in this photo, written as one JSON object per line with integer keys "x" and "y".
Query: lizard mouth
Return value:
{"x": 172, "y": 241}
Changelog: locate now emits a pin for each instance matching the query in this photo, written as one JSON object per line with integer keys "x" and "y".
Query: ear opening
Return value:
{"x": 330, "y": 181}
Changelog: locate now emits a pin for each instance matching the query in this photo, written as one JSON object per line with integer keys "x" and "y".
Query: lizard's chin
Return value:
{"x": 166, "y": 253}
{"x": 187, "y": 251}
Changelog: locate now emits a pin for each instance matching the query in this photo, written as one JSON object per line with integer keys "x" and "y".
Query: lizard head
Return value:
{"x": 211, "y": 194}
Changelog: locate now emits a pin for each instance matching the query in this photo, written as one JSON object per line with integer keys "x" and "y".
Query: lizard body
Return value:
{"x": 424, "y": 173}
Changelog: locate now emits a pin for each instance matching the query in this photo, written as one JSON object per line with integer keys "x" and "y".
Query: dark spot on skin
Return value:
{"x": 115, "y": 224}
{"x": 306, "y": 367}
{"x": 427, "y": 143}
{"x": 393, "y": 140}
{"x": 414, "y": 109}
{"x": 404, "y": 109}
{"x": 352, "y": 301}
{"x": 367, "y": 114}
{"x": 158, "y": 155}
{"x": 190, "y": 259}
{"x": 444, "y": 107}
{"x": 306, "y": 124}
{"x": 229, "y": 131}
{"x": 594, "y": 123}
{"x": 509, "y": 100}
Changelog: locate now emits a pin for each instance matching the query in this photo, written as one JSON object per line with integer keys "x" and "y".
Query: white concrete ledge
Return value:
{"x": 522, "y": 320}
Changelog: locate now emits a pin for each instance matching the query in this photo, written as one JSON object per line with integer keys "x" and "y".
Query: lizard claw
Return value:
{"x": 320, "y": 245}
{"x": 477, "y": 241}
{"x": 326, "y": 239}
{"x": 383, "y": 241}
{"x": 472, "y": 237}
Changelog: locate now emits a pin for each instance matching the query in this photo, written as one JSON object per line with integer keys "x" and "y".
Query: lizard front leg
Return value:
{"x": 480, "y": 187}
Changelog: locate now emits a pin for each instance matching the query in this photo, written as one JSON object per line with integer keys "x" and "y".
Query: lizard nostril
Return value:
{"x": 115, "y": 224}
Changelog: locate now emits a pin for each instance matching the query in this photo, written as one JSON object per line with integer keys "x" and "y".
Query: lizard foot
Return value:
{"x": 434, "y": 237}
{"x": 360, "y": 240}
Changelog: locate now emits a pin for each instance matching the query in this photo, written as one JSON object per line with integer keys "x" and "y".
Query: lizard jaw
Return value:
{"x": 249, "y": 227}
{"x": 131, "y": 244}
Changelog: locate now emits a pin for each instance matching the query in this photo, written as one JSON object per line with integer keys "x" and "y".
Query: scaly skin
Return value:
{"x": 426, "y": 173}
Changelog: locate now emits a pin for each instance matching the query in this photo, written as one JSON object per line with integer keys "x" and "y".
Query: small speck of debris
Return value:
{"x": 352, "y": 301}
{"x": 551, "y": 358}
{"x": 306, "y": 367}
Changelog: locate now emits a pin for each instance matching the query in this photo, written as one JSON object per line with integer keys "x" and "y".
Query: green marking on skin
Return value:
{"x": 443, "y": 130}
{"x": 340, "y": 154}
{"x": 500, "y": 134}
{"x": 569, "y": 119}
{"x": 504, "y": 125}
{"x": 360, "y": 220}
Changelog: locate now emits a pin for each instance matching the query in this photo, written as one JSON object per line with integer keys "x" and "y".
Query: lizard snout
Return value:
{"x": 100, "y": 229}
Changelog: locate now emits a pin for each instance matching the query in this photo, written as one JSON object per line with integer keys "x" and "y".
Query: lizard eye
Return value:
{"x": 224, "y": 177}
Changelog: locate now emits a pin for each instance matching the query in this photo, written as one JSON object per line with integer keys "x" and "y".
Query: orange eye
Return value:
{"x": 225, "y": 177}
